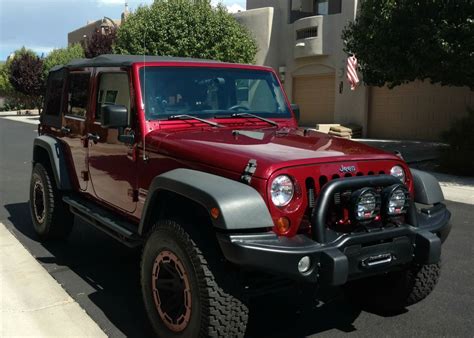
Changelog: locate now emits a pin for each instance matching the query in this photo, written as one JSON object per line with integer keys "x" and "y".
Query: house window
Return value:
{"x": 305, "y": 33}
{"x": 299, "y": 9}
{"x": 322, "y": 7}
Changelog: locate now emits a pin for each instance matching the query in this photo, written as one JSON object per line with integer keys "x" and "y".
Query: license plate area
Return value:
{"x": 376, "y": 257}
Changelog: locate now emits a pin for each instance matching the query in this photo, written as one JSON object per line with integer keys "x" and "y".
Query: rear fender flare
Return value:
{"x": 57, "y": 159}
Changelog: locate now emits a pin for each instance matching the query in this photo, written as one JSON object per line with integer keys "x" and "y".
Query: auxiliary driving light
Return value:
{"x": 395, "y": 199}
{"x": 304, "y": 264}
{"x": 365, "y": 204}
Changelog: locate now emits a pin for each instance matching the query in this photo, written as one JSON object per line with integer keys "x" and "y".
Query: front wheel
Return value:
{"x": 396, "y": 290}
{"x": 186, "y": 290}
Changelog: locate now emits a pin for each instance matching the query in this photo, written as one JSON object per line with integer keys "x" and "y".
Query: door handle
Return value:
{"x": 94, "y": 137}
{"x": 66, "y": 130}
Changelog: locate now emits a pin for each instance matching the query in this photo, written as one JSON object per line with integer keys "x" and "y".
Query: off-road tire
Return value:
{"x": 396, "y": 290}
{"x": 57, "y": 220}
{"x": 218, "y": 305}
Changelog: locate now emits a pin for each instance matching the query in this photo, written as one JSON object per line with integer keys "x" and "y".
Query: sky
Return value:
{"x": 42, "y": 25}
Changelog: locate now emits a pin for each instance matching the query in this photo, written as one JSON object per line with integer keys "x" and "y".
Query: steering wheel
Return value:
{"x": 237, "y": 107}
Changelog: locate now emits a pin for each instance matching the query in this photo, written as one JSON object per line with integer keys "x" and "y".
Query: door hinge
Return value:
{"x": 249, "y": 171}
{"x": 85, "y": 175}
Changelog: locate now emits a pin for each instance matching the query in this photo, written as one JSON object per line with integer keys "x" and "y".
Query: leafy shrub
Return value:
{"x": 100, "y": 43}
{"x": 186, "y": 28}
{"x": 459, "y": 157}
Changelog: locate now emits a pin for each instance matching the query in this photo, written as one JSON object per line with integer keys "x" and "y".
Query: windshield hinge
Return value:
{"x": 249, "y": 171}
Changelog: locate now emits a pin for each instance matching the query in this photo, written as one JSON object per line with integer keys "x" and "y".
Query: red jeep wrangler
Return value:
{"x": 203, "y": 164}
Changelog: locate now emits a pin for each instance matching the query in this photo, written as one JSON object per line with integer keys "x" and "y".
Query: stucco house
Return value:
{"x": 301, "y": 39}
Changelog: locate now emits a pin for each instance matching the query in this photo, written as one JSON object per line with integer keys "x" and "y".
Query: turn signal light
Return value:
{"x": 215, "y": 213}
{"x": 283, "y": 225}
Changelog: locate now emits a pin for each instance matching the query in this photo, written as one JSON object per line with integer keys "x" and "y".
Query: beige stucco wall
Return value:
{"x": 77, "y": 36}
{"x": 350, "y": 106}
{"x": 259, "y": 22}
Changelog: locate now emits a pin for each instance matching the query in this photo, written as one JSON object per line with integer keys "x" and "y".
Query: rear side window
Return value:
{"x": 78, "y": 94}
{"x": 52, "y": 106}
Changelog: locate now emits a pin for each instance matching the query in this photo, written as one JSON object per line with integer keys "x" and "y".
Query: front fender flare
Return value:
{"x": 241, "y": 206}
{"x": 427, "y": 188}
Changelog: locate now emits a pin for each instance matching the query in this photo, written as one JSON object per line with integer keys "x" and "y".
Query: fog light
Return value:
{"x": 304, "y": 264}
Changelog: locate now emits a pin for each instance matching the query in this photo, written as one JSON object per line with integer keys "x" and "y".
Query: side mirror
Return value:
{"x": 114, "y": 116}
{"x": 296, "y": 111}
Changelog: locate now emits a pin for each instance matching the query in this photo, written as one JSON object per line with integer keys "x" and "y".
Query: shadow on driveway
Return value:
{"x": 109, "y": 285}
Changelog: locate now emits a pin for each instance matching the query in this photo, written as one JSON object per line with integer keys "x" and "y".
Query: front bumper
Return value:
{"x": 350, "y": 256}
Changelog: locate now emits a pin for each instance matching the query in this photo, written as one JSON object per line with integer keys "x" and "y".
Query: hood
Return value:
{"x": 272, "y": 149}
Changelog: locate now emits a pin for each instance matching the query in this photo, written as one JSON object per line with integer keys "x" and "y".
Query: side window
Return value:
{"x": 52, "y": 104}
{"x": 113, "y": 89}
{"x": 78, "y": 94}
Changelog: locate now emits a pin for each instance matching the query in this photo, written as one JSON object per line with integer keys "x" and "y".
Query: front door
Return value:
{"x": 112, "y": 166}
{"x": 74, "y": 123}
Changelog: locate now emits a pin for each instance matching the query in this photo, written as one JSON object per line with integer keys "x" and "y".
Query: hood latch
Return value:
{"x": 249, "y": 171}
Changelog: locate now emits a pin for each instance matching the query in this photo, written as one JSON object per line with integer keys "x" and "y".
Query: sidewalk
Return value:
{"x": 32, "y": 303}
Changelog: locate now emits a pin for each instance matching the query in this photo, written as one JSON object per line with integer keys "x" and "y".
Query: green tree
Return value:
{"x": 62, "y": 56}
{"x": 25, "y": 73}
{"x": 398, "y": 41}
{"x": 186, "y": 28}
{"x": 5, "y": 85}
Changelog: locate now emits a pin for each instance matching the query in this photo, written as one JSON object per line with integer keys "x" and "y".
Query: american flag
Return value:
{"x": 352, "y": 72}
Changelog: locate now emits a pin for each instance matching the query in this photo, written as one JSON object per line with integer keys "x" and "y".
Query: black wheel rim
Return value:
{"x": 38, "y": 201}
{"x": 171, "y": 291}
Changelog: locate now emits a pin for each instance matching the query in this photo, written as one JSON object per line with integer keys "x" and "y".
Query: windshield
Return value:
{"x": 207, "y": 92}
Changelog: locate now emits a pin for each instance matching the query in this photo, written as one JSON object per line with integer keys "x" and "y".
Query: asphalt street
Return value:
{"x": 103, "y": 276}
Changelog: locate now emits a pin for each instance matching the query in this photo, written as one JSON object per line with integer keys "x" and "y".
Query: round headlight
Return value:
{"x": 398, "y": 172}
{"x": 396, "y": 200}
{"x": 282, "y": 190}
{"x": 366, "y": 204}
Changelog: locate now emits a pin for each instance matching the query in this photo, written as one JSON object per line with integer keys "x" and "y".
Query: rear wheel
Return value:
{"x": 186, "y": 293}
{"x": 396, "y": 290}
{"x": 50, "y": 215}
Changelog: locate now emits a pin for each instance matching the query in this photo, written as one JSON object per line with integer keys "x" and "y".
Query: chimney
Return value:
{"x": 125, "y": 13}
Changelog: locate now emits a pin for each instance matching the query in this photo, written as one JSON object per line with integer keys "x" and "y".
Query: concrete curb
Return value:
{"x": 32, "y": 303}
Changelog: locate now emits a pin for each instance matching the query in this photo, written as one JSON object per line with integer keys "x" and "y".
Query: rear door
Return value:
{"x": 112, "y": 166}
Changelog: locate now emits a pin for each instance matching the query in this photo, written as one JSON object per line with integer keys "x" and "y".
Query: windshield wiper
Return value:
{"x": 191, "y": 117}
{"x": 250, "y": 115}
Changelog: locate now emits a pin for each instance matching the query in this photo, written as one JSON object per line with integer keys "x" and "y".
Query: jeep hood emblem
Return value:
{"x": 347, "y": 169}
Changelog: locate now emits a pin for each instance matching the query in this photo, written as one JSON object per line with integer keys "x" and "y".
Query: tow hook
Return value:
{"x": 377, "y": 260}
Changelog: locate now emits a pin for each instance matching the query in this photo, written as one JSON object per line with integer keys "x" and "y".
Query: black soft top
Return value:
{"x": 115, "y": 60}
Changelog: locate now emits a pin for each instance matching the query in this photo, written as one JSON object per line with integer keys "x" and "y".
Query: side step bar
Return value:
{"x": 104, "y": 220}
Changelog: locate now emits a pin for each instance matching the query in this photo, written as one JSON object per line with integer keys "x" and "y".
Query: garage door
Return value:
{"x": 416, "y": 111}
{"x": 315, "y": 95}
